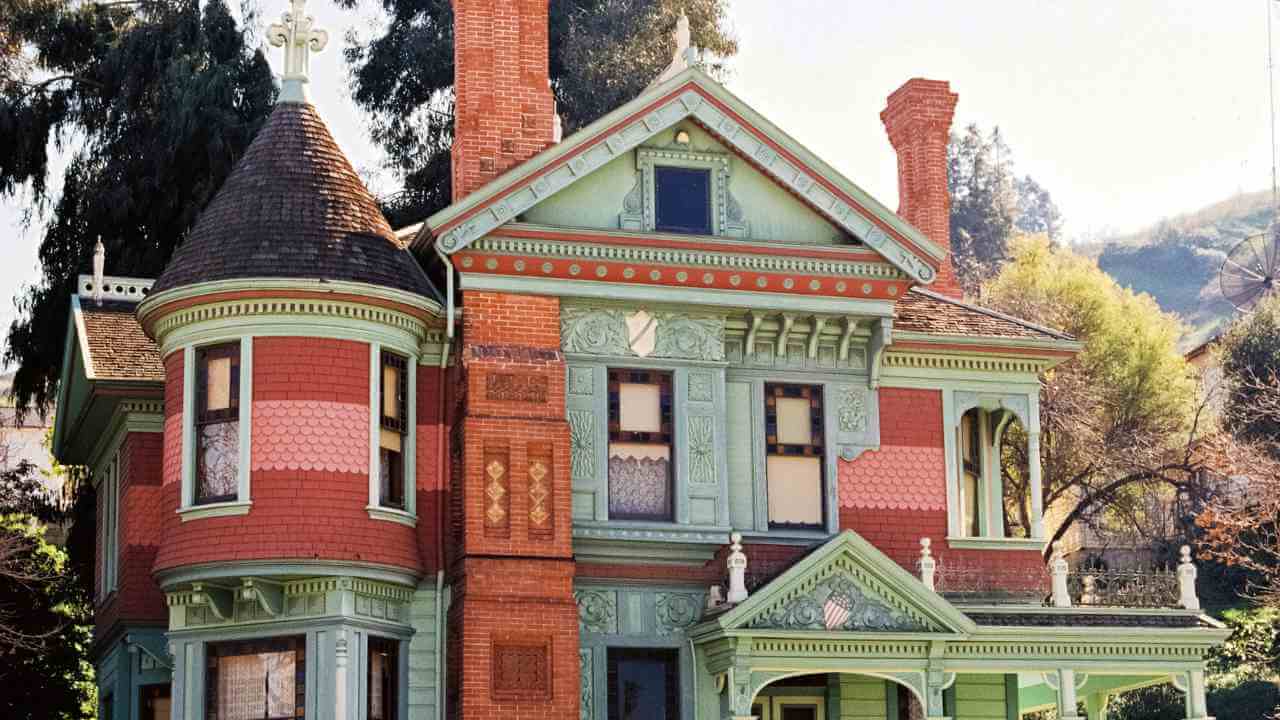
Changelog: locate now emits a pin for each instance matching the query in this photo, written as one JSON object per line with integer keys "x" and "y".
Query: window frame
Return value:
{"x": 643, "y": 216}
{"x": 372, "y": 644}
{"x": 376, "y": 509}
{"x": 188, "y": 509}
{"x": 387, "y": 423}
{"x": 671, "y": 171}
{"x": 109, "y": 532}
{"x": 204, "y": 417}
{"x": 665, "y": 380}
{"x": 815, "y": 392}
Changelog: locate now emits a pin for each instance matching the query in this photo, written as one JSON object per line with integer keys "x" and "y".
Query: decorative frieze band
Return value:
{"x": 924, "y": 361}
{"x": 527, "y": 247}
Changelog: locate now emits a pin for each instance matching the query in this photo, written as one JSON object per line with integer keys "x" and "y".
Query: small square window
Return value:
{"x": 683, "y": 200}
{"x": 794, "y": 456}
{"x": 392, "y": 425}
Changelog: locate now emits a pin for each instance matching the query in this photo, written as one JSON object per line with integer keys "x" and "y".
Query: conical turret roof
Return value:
{"x": 293, "y": 207}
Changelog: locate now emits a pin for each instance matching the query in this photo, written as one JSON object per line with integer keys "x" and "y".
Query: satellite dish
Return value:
{"x": 1250, "y": 270}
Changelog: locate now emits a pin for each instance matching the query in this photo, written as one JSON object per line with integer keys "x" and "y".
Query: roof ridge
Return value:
{"x": 992, "y": 313}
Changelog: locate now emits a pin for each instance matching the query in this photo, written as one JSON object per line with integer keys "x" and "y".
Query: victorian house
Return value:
{"x": 690, "y": 426}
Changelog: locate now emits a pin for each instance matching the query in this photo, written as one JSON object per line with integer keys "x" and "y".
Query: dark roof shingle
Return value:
{"x": 118, "y": 349}
{"x": 293, "y": 207}
{"x": 927, "y": 312}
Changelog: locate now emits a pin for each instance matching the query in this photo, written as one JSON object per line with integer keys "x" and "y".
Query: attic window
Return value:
{"x": 683, "y": 200}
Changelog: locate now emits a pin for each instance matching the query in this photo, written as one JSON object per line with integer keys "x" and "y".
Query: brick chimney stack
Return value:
{"x": 918, "y": 121}
{"x": 505, "y": 112}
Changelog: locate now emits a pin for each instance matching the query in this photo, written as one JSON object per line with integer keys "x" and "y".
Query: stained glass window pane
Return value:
{"x": 683, "y": 200}
{"x": 795, "y": 489}
{"x": 217, "y": 461}
{"x": 794, "y": 421}
{"x": 640, "y": 407}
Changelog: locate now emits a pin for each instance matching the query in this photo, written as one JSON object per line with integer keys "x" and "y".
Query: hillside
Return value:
{"x": 1177, "y": 260}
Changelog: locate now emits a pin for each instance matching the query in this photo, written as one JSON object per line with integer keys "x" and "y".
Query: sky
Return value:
{"x": 1127, "y": 112}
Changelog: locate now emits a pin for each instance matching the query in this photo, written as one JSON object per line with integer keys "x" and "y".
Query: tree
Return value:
{"x": 153, "y": 102}
{"x": 44, "y": 628}
{"x": 1120, "y": 416}
{"x": 989, "y": 204}
{"x": 1250, "y": 356}
{"x": 603, "y": 53}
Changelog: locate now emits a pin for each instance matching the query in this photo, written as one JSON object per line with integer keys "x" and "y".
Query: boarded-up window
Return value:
{"x": 383, "y": 680}
{"x": 640, "y": 456}
{"x": 794, "y": 457}
{"x": 256, "y": 679}
{"x": 393, "y": 393}
{"x": 217, "y": 426}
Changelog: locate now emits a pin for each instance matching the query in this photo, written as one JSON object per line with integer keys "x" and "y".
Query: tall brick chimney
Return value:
{"x": 918, "y": 120}
{"x": 504, "y": 108}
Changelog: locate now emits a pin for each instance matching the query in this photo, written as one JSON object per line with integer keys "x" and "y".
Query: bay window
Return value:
{"x": 997, "y": 472}
{"x": 256, "y": 679}
{"x": 794, "y": 455}
{"x": 640, "y": 445}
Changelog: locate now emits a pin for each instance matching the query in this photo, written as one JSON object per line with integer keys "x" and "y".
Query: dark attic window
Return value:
{"x": 683, "y": 200}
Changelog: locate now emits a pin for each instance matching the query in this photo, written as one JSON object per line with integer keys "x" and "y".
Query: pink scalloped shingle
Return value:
{"x": 895, "y": 477}
{"x": 171, "y": 463}
{"x": 310, "y": 435}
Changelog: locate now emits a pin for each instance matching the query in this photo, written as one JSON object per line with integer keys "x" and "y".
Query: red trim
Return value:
{"x": 746, "y": 248}
{"x": 561, "y": 269}
{"x": 760, "y": 135}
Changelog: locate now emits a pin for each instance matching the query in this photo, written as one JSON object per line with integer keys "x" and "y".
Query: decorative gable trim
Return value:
{"x": 885, "y": 597}
{"x": 690, "y": 94}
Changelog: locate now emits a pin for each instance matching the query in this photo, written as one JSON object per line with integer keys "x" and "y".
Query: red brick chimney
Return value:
{"x": 504, "y": 108}
{"x": 918, "y": 120}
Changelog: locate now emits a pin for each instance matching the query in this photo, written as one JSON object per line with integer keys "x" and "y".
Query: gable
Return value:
{"x": 846, "y": 586}
{"x": 689, "y": 95}
{"x": 758, "y": 207}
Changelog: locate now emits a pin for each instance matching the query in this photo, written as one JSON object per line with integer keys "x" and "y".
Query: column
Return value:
{"x": 1067, "y": 699}
{"x": 935, "y": 682}
{"x": 1197, "y": 708}
{"x": 1033, "y": 463}
{"x": 1095, "y": 705}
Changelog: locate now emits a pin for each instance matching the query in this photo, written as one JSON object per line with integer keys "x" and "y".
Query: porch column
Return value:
{"x": 1197, "y": 709}
{"x": 1096, "y": 705}
{"x": 1033, "y": 464}
{"x": 935, "y": 682}
{"x": 1067, "y": 695}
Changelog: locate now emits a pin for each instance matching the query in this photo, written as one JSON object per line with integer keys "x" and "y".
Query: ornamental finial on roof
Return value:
{"x": 297, "y": 34}
{"x": 684, "y": 56}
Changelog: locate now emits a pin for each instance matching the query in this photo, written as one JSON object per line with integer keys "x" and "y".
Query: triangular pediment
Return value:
{"x": 693, "y": 97}
{"x": 847, "y": 585}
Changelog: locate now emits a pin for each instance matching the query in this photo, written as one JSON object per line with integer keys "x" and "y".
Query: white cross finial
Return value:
{"x": 297, "y": 34}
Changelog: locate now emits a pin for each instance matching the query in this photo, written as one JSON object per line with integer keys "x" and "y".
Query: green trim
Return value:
{"x": 169, "y": 578}
{"x": 598, "y": 290}
{"x": 392, "y": 515}
{"x": 949, "y": 701}
{"x": 153, "y": 301}
{"x": 995, "y": 543}
{"x": 514, "y": 192}
{"x": 979, "y": 342}
{"x": 212, "y": 510}
{"x": 1011, "y": 699}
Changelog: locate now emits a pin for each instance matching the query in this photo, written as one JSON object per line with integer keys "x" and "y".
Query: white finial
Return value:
{"x": 99, "y": 267}
{"x": 1058, "y": 571}
{"x": 684, "y": 56}
{"x": 1187, "y": 597}
{"x": 737, "y": 570}
{"x": 927, "y": 564}
{"x": 297, "y": 34}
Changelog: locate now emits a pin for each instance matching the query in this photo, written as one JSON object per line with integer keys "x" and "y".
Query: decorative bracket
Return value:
{"x": 1051, "y": 679}
{"x": 881, "y": 338}
{"x": 850, "y": 325}
{"x": 787, "y": 321}
{"x": 749, "y": 346}
{"x": 815, "y": 332}
{"x": 218, "y": 599}
{"x": 268, "y": 595}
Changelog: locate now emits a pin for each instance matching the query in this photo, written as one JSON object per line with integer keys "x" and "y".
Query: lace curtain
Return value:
{"x": 253, "y": 687}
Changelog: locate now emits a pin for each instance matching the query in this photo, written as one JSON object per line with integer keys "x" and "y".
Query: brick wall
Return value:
{"x": 898, "y": 494}
{"x": 514, "y": 641}
{"x": 299, "y": 511}
{"x": 505, "y": 110}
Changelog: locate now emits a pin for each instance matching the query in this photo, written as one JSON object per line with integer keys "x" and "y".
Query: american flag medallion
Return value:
{"x": 836, "y": 610}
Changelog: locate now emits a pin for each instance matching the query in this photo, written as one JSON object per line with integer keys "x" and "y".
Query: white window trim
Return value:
{"x": 992, "y": 537}
{"x": 109, "y": 535}
{"x": 240, "y": 506}
{"x": 408, "y": 516}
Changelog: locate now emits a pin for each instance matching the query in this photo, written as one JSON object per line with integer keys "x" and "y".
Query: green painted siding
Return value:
{"x": 742, "y": 502}
{"x": 862, "y": 698}
{"x": 423, "y": 659}
{"x": 771, "y": 212}
{"x": 980, "y": 697}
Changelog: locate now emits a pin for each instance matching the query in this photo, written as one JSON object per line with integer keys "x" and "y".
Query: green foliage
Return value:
{"x": 53, "y": 677}
{"x": 1250, "y": 355}
{"x": 989, "y": 204}
{"x": 154, "y": 102}
{"x": 1252, "y": 651}
{"x": 603, "y": 53}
